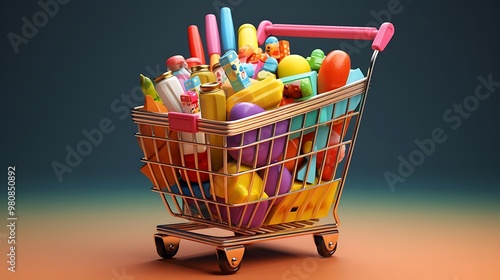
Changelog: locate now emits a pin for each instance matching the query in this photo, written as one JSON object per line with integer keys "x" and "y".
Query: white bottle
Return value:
{"x": 169, "y": 89}
{"x": 190, "y": 105}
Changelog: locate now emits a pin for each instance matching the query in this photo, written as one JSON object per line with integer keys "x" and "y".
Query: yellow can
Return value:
{"x": 203, "y": 72}
{"x": 213, "y": 107}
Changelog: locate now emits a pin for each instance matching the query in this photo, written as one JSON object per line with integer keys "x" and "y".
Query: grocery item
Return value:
{"x": 204, "y": 73}
{"x": 277, "y": 180}
{"x": 149, "y": 146}
{"x": 247, "y": 36}
{"x": 234, "y": 71}
{"x": 148, "y": 88}
{"x": 301, "y": 86}
{"x": 195, "y": 155}
{"x": 315, "y": 60}
{"x": 267, "y": 94}
{"x": 259, "y": 152}
{"x": 195, "y": 44}
{"x": 333, "y": 156}
{"x": 220, "y": 74}
{"x": 213, "y": 39}
{"x": 292, "y": 65}
{"x": 169, "y": 89}
{"x": 334, "y": 71}
{"x": 213, "y": 107}
{"x": 178, "y": 66}
{"x": 272, "y": 47}
{"x": 235, "y": 189}
{"x": 284, "y": 49}
{"x": 228, "y": 38}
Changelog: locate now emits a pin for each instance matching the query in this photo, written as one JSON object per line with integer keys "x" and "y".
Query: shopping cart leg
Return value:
{"x": 326, "y": 243}
{"x": 230, "y": 258}
{"x": 166, "y": 246}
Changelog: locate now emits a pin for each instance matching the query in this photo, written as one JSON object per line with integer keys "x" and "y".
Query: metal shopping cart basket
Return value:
{"x": 300, "y": 158}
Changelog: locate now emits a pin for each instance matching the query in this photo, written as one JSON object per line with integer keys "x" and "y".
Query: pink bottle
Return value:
{"x": 178, "y": 66}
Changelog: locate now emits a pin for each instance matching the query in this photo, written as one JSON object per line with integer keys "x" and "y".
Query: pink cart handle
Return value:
{"x": 380, "y": 37}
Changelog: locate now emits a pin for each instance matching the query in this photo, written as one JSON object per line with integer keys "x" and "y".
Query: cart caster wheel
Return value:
{"x": 325, "y": 244}
{"x": 166, "y": 246}
{"x": 230, "y": 259}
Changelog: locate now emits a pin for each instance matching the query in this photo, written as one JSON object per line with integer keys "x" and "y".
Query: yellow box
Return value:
{"x": 307, "y": 204}
{"x": 267, "y": 94}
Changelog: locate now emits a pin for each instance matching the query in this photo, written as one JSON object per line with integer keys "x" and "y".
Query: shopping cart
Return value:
{"x": 270, "y": 197}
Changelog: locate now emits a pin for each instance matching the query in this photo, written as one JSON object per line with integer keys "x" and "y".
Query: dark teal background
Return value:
{"x": 73, "y": 72}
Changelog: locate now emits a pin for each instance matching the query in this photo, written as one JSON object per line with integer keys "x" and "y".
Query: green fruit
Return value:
{"x": 148, "y": 88}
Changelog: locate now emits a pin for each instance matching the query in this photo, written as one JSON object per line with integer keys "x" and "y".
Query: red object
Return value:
{"x": 286, "y": 101}
{"x": 244, "y": 53}
{"x": 202, "y": 165}
{"x": 338, "y": 125}
{"x": 284, "y": 48}
{"x": 334, "y": 71}
{"x": 195, "y": 44}
{"x": 292, "y": 91}
{"x": 258, "y": 56}
{"x": 331, "y": 158}
{"x": 193, "y": 61}
{"x": 293, "y": 151}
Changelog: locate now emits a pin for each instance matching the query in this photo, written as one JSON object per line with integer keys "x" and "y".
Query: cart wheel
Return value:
{"x": 325, "y": 248}
{"x": 166, "y": 246}
{"x": 230, "y": 259}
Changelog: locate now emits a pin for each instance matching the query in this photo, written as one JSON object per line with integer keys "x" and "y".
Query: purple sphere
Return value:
{"x": 262, "y": 150}
{"x": 273, "y": 178}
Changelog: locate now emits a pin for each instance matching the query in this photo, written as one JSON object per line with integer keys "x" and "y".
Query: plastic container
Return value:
{"x": 169, "y": 89}
{"x": 267, "y": 94}
{"x": 178, "y": 66}
{"x": 213, "y": 107}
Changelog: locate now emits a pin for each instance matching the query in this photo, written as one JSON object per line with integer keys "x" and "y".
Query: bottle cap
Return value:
{"x": 163, "y": 76}
{"x": 175, "y": 62}
{"x": 216, "y": 65}
{"x": 208, "y": 87}
{"x": 198, "y": 68}
{"x": 193, "y": 61}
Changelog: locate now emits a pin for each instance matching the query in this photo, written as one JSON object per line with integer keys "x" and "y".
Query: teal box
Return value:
{"x": 326, "y": 113}
{"x": 310, "y": 79}
{"x": 193, "y": 84}
{"x": 341, "y": 107}
{"x": 234, "y": 71}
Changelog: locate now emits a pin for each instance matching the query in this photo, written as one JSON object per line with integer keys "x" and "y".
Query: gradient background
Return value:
{"x": 441, "y": 223}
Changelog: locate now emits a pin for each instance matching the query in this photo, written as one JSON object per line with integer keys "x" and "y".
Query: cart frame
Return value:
{"x": 230, "y": 248}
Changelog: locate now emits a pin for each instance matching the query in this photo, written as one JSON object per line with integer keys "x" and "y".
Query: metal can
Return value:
{"x": 219, "y": 73}
{"x": 203, "y": 72}
{"x": 213, "y": 107}
{"x": 169, "y": 89}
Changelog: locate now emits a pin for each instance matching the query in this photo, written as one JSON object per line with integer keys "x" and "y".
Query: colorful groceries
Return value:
{"x": 248, "y": 133}
{"x": 250, "y": 140}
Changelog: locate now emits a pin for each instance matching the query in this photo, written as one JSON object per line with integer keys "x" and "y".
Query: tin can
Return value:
{"x": 203, "y": 72}
{"x": 213, "y": 107}
{"x": 169, "y": 89}
{"x": 220, "y": 74}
